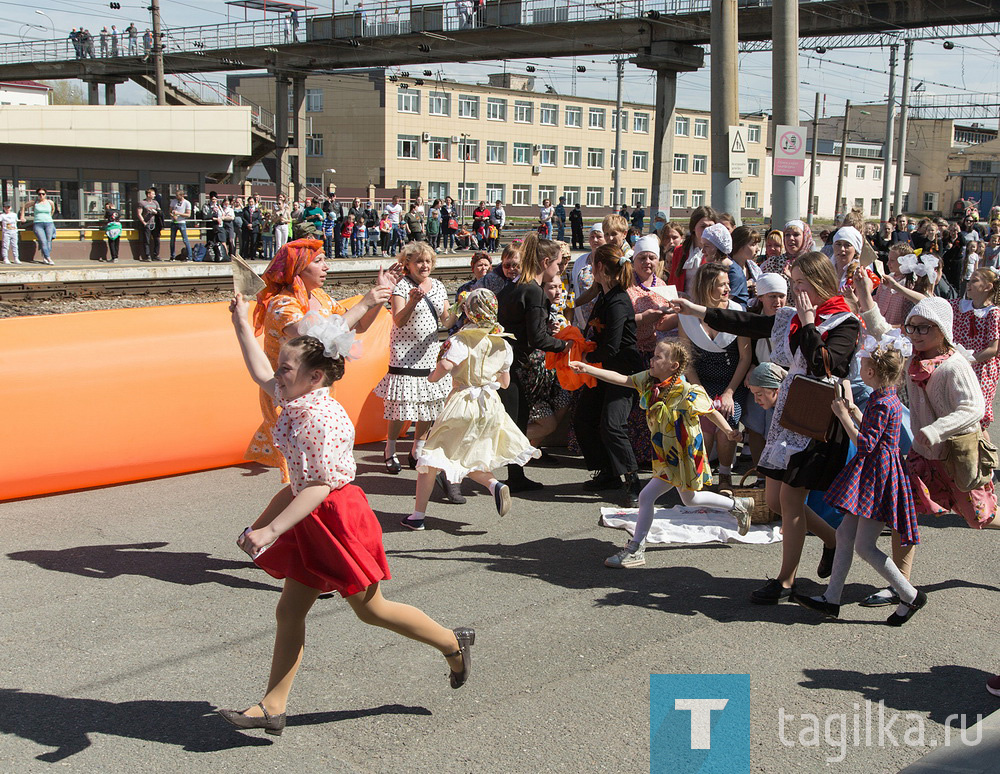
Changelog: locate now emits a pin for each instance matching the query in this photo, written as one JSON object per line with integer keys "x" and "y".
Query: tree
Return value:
{"x": 67, "y": 93}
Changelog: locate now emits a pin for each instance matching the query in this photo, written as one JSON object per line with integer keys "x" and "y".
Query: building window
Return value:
{"x": 572, "y": 156}
{"x": 640, "y": 123}
{"x": 439, "y": 103}
{"x": 679, "y": 199}
{"x": 699, "y": 166}
{"x": 547, "y": 155}
{"x": 701, "y": 128}
{"x": 616, "y": 201}
{"x": 468, "y": 150}
{"x": 614, "y": 120}
{"x": 408, "y": 101}
{"x": 413, "y": 185}
{"x": 314, "y": 100}
{"x": 753, "y": 167}
{"x": 640, "y": 161}
{"x": 753, "y": 135}
{"x": 407, "y": 146}
{"x": 523, "y": 111}
{"x": 437, "y": 191}
{"x": 437, "y": 148}
{"x": 859, "y": 173}
{"x": 815, "y": 204}
{"x": 697, "y": 198}
{"x": 750, "y": 200}
{"x": 494, "y": 192}
{"x": 314, "y": 145}
{"x": 682, "y": 126}
{"x": 546, "y": 192}
{"x": 680, "y": 163}
{"x": 624, "y": 160}
{"x": 930, "y": 201}
{"x": 638, "y": 197}
{"x": 595, "y": 158}
{"x": 522, "y": 152}
{"x": 468, "y": 193}
{"x": 816, "y": 170}
{"x": 877, "y": 207}
{"x": 314, "y": 182}
{"x": 548, "y": 114}
{"x": 521, "y": 194}
{"x": 496, "y": 152}
{"x": 574, "y": 117}
{"x": 859, "y": 204}
{"x": 496, "y": 109}
{"x": 572, "y": 195}
{"x": 595, "y": 196}
{"x": 595, "y": 120}
{"x": 876, "y": 173}
{"x": 468, "y": 106}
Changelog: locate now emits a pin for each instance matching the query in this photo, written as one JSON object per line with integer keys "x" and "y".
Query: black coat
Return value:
{"x": 524, "y": 313}
{"x": 611, "y": 326}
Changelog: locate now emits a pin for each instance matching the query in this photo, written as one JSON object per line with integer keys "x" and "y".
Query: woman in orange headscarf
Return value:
{"x": 294, "y": 286}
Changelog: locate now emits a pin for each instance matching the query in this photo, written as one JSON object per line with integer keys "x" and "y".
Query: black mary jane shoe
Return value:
{"x": 392, "y": 464}
{"x": 411, "y": 460}
{"x": 818, "y": 604}
{"x": 825, "y": 568}
{"x": 466, "y": 639}
{"x": 898, "y": 620}
{"x": 272, "y": 724}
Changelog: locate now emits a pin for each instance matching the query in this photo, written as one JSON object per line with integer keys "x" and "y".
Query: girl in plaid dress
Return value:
{"x": 873, "y": 490}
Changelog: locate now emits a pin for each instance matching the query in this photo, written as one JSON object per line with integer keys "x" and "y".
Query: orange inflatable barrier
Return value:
{"x": 97, "y": 398}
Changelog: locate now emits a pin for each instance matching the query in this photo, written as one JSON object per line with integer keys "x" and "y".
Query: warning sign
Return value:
{"x": 789, "y": 151}
{"x": 737, "y": 152}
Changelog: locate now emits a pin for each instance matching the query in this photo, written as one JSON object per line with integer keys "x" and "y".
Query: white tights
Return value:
{"x": 658, "y": 487}
{"x": 859, "y": 534}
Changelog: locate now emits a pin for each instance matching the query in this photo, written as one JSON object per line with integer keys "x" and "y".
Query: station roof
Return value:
{"x": 276, "y": 6}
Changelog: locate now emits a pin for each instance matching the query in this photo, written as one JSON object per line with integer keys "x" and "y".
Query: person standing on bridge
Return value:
{"x": 104, "y": 42}
{"x": 465, "y": 9}
{"x": 320, "y": 533}
{"x": 133, "y": 39}
{"x": 115, "y": 40}
{"x": 147, "y": 42}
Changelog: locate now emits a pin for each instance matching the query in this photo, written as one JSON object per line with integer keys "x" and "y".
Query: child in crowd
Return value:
{"x": 673, "y": 408}
{"x": 8, "y": 227}
{"x": 873, "y": 491}
{"x": 319, "y": 532}
{"x": 329, "y": 226}
{"x": 975, "y": 253}
{"x": 977, "y": 328}
{"x": 611, "y": 231}
{"x": 473, "y": 434}
{"x": 359, "y": 237}
{"x": 493, "y": 242}
{"x": 419, "y": 305}
{"x": 346, "y": 235}
{"x": 385, "y": 231}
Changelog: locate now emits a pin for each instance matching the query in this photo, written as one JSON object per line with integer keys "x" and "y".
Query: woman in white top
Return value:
{"x": 545, "y": 216}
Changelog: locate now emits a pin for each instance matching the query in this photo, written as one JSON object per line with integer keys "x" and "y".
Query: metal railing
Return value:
{"x": 211, "y": 93}
{"x": 381, "y": 19}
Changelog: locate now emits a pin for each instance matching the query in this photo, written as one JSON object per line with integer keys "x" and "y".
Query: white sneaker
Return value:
{"x": 627, "y": 558}
{"x": 741, "y": 512}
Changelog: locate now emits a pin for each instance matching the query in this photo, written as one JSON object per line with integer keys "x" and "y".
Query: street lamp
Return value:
{"x": 42, "y": 13}
{"x": 326, "y": 190}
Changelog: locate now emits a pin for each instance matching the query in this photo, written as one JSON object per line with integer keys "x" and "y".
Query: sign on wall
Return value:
{"x": 789, "y": 151}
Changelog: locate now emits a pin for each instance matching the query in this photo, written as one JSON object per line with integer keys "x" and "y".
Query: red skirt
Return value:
{"x": 337, "y": 547}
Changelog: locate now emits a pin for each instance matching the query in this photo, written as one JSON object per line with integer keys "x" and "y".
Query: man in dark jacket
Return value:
{"x": 576, "y": 227}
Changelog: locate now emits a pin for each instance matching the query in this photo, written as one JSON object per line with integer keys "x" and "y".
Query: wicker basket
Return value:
{"x": 760, "y": 514}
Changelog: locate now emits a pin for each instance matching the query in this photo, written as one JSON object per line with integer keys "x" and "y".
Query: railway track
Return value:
{"x": 32, "y": 291}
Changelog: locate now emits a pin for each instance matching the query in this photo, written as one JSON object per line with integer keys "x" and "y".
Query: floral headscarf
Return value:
{"x": 282, "y": 277}
{"x": 481, "y": 310}
{"x": 807, "y": 238}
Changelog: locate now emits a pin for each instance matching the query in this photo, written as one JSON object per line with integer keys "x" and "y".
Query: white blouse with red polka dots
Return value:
{"x": 317, "y": 438}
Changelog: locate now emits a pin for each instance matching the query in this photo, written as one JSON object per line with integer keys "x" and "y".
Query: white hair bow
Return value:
{"x": 894, "y": 339}
{"x": 332, "y": 332}
{"x": 921, "y": 265}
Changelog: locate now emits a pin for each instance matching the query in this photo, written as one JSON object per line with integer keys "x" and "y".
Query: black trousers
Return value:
{"x": 577, "y": 239}
{"x": 150, "y": 242}
{"x": 515, "y": 402}
{"x": 604, "y": 442}
{"x": 113, "y": 248}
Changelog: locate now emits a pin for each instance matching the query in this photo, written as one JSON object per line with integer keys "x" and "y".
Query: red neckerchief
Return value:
{"x": 921, "y": 368}
{"x": 830, "y": 307}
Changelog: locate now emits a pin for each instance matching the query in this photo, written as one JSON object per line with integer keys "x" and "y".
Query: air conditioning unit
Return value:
{"x": 455, "y": 138}
{"x": 426, "y": 137}
{"x": 536, "y": 170}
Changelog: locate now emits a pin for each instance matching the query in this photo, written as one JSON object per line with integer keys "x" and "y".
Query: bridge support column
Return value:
{"x": 281, "y": 172}
{"x": 666, "y": 59}
{"x": 725, "y": 105}
{"x": 299, "y": 112}
{"x": 93, "y": 93}
{"x": 785, "y": 205}
{"x": 110, "y": 94}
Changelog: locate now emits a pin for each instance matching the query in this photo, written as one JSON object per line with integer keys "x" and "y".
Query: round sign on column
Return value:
{"x": 789, "y": 151}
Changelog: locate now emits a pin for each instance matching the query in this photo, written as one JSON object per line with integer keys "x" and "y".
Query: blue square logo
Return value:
{"x": 699, "y": 724}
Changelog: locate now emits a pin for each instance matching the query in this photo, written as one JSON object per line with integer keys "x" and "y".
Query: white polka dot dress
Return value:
{"x": 413, "y": 350}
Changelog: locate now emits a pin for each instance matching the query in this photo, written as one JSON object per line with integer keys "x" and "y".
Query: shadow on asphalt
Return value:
{"x": 335, "y": 716}
{"x": 940, "y": 692}
{"x": 66, "y": 723}
{"x": 113, "y": 561}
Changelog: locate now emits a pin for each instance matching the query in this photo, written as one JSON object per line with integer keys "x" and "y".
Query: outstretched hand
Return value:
{"x": 682, "y": 306}
{"x": 387, "y": 278}
{"x": 577, "y": 367}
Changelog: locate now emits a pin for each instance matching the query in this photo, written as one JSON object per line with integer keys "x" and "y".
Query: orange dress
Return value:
{"x": 282, "y": 311}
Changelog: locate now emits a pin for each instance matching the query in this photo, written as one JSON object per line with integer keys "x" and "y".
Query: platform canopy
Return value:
{"x": 275, "y": 6}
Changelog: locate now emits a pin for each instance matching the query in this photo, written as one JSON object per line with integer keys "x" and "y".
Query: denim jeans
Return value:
{"x": 182, "y": 226}
{"x": 328, "y": 246}
{"x": 45, "y": 233}
{"x": 357, "y": 247}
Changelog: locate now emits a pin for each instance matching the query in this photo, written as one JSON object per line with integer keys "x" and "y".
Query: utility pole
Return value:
{"x": 161, "y": 96}
{"x": 890, "y": 115}
{"x": 843, "y": 159}
{"x": 725, "y": 104}
{"x": 785, "y": 101}
{"x": 812, "y": 161}
{"x": 904, "y": 106}
{"x": 465, "y": 159}
{"x": 620, "y": 67}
